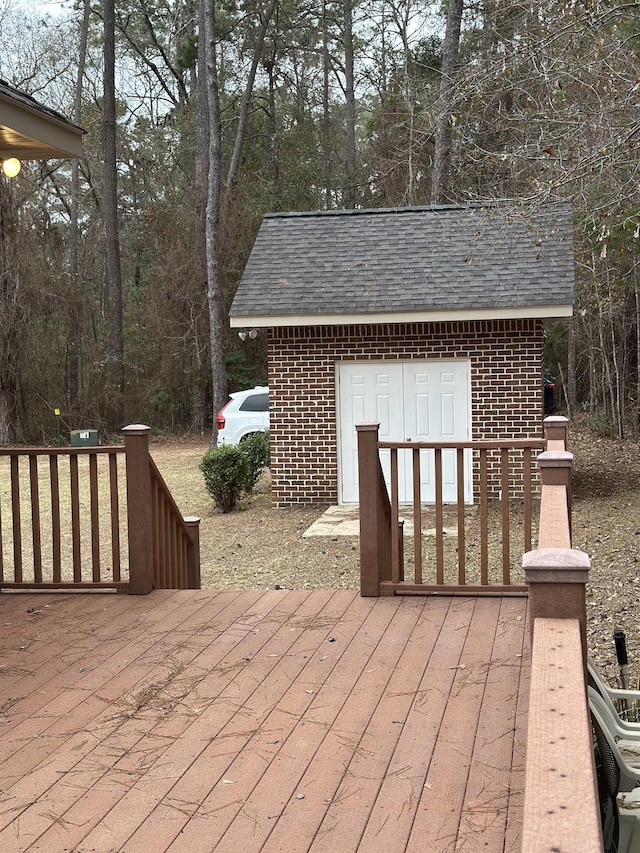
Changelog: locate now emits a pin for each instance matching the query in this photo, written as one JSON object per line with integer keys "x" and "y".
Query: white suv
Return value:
{"x": 246, "y": 412}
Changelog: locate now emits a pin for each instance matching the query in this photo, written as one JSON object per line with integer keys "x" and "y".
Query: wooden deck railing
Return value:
{"x": 485, "y": 540}
{"x": 66, "y": 521}
{"x": 561, "y": 810}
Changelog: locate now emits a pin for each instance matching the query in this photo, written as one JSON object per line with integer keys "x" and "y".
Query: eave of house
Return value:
{"x": 30, "y": 133}
{"x": 545, "y": 312}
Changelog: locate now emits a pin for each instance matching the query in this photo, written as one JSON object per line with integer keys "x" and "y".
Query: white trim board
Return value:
{"x": 543, "y": 312}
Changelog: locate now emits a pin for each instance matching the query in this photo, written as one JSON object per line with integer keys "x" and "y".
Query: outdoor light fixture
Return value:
{"x": 242, "y": 336}
{"x": 11, "y": 167}
{"x": 252, "y": 333}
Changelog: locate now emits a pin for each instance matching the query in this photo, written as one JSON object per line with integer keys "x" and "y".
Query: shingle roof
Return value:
{"x": 31, "y": 131}
{"x": 29, "y": 101}
{"x": 407, "y": 260}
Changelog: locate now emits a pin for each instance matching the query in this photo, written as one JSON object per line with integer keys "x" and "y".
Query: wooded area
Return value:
{"x": 227, "y": 109}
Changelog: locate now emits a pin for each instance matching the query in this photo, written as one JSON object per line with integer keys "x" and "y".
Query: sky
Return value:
{"x": 53, "y": 7}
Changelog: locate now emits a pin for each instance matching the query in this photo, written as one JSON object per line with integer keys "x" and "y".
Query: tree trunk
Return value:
{"x": 9, "y": 311}
{"x": 636, "y": 291}
{"x": 217, "y": 323}
{"x": 273, "y": 135}
{"x": 442, "y": 155}
{"x": 244, "y": 107}
{"x": 410, "y": 101}
{"x": 326, "y": 113}
{"x": 198, "y": 391}
{"x": 5, "y": 420}
{"x": 608, "y": 393}
{"x": 76, "y": 292}
{"x": 113, "y": 275}
{"x": 618, "y": 408}
{"x": 350, "y": 108}
{"x": 572, "y": 396}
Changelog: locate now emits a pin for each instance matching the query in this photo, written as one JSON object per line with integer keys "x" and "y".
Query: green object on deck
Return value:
{"x": 84, "y": 438}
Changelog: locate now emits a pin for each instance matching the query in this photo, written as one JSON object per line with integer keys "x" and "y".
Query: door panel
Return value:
{"x": 378, "y": 388}
{"x": 437, "y": 408}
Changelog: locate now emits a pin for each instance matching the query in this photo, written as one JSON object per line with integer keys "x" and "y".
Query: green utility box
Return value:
{"x": 84, "y": 438}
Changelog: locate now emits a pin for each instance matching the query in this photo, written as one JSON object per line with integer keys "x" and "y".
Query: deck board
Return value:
{"x": 261, "y": 721}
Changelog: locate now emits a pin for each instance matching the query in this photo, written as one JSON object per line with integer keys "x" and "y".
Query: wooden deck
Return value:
{"x": 261, "y": 721}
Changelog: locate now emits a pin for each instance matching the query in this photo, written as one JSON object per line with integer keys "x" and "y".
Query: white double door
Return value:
{"x": 419, "y": 400}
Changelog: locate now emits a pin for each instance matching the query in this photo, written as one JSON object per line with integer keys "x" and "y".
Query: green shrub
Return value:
{"x": 226, "y": 472}
{"x": 256, "y": 448}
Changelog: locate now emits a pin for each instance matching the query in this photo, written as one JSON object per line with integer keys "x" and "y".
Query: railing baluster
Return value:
{"x": 439, "y": 516}
{"x": 176, "y": 548}
{"x": 16, "y": 519}
{"x": 35, "y": 519}
{"x": 175, "y": 567}
{"x": 155, "y": 526}
{"x": 174, "y": 553}
{"x": 185, "y": 560}
{"x": 460, "y": 501}
{"x": 75, "y": 518}
{"x": 170, "y": 569}
{"x": 164, "y": 539}
{"x": 417, "y": 516}
{"x": 193, "y": 552}
{"x": 180, "y": 548}
{"x": 484, "y": 519}
{"x": 506, "y": 550}
{"x": 527, "y": 498}
{"x": 1, "y": 545}
{"x": 395, "y": 530}
{"x": 56, "y": 543}
{"x": 114, "y": 506}
{"x": 95, "y": 519}
{"x": 159, "y": 540}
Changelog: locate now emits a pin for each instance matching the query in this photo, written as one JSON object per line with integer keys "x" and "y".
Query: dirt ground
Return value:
{"x": 606, "y": 524}
{"x": 258, "y": 546}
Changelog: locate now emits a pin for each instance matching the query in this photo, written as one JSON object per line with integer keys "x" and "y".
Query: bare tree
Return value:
{"x": 350, "y": 107}
{"x": 217, "y": 315}
{"x": 74, "y": 248}
{"x": 201, "y": 194}
{"x": 246, "y": 99}
{"x": 450, "y": 51}
{"x": 10, "y": 311}
{"x": 113, "y": 273}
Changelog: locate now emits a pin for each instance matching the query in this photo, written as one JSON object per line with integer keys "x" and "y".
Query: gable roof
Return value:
{"x": 406, "y": 265}
{"x": 31, "y": 131}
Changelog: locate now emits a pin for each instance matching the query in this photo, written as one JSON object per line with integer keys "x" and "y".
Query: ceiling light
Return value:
{"x": 11, "y": 167}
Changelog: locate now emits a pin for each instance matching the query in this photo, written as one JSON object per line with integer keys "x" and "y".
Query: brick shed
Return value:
{"x": 428, "y": 320}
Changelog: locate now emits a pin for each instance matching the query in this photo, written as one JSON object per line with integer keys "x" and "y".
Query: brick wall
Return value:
{"x": 506, "y": 388}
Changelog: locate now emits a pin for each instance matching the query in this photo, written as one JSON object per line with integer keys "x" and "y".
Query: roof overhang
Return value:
{"x": 544, "y": 312}
{"x": 29, "y": 132}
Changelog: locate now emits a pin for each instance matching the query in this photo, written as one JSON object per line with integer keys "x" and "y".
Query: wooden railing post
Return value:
{"x": 136, "y": 444}
{"x": 557, "y": 579}
{"x": 193, "y": 553}
{"x": 368, "y": 473}
{"x": 555, "y": 429}
{"x": 556, "y": 470}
